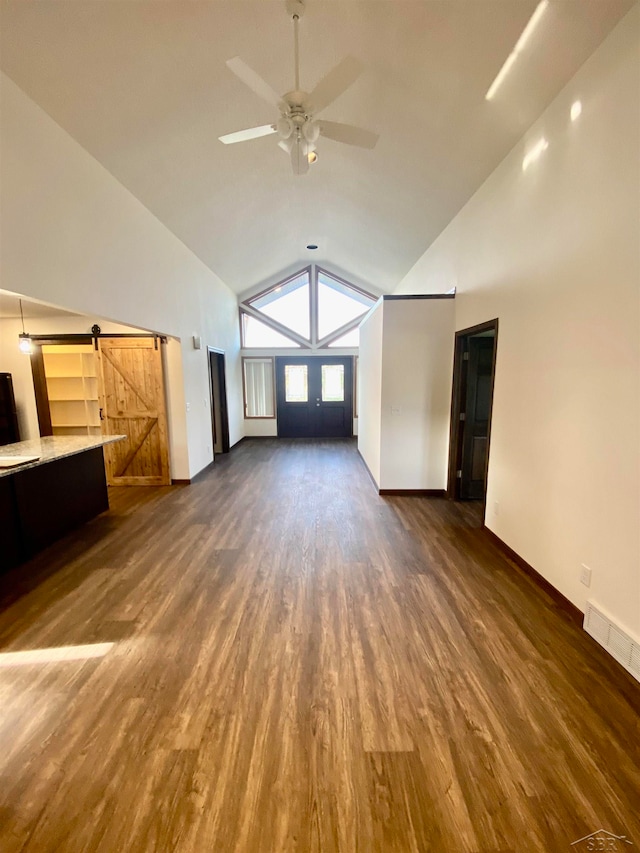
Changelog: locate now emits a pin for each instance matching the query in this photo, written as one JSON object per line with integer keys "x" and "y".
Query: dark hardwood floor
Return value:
{"x": 300, "y": 664}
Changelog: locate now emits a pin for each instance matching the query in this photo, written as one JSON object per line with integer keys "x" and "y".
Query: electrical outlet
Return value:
{"x": 585, "y": 575}
{"x": 188, "y": 407}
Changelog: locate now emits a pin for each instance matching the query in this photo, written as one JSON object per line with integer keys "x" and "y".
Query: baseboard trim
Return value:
{"x": 414, "y": 493}
{"x": 367, "y": 469}
{"x": 574, "y": 613}
{"x": 195, "y": 477}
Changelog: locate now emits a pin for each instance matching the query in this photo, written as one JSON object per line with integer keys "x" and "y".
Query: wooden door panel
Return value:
{"x": 133, "y": 404}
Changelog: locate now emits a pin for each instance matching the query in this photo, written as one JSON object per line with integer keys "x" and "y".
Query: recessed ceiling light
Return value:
{"x": 576, "y": 109}
{"x": 312, "y": 246}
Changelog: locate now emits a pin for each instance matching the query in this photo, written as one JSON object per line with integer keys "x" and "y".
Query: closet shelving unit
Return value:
{"x": 72, "y": 388}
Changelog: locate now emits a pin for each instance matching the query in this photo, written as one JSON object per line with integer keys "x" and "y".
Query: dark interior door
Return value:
{"x": 314, "y": 396}
{"x": 477, "y": 414}
{"x": 219, "y": 414}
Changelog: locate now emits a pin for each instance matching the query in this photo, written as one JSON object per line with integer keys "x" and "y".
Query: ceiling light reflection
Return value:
{"x": 534, "y": 153}
{"x": 60, "y": 653}
{"x": 576, "y": 109}
{"x": 520, "y": 44}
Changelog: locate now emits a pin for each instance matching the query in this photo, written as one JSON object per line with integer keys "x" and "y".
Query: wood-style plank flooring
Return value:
{"x": 299, "y": 664}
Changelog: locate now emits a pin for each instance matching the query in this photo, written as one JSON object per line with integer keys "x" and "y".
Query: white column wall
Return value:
{"x": 370, "y": 390}
{"x": 417, "y": 371}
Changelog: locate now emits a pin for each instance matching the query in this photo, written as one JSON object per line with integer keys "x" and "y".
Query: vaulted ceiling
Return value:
{"x": 144, "y": 87}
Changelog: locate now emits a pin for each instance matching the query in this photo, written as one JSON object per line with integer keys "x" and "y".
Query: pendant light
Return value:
{"x": 25, "y": 344}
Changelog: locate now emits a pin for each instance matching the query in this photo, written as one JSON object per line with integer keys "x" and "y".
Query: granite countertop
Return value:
{"x": 52, "y": 447}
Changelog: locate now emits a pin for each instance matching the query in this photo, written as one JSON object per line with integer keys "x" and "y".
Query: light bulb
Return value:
{"x": 25, "y": 345}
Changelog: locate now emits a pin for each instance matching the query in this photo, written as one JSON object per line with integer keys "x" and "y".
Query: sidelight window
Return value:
{"x": 259, "y": 392}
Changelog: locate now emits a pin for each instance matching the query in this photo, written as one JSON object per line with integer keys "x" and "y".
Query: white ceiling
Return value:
{"x": 10, "y": 309}
{"x": 143, "y": 86}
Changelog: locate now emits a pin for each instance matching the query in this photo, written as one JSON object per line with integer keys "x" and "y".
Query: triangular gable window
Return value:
{"x": 288, "y": 303}
{"x": 309, "y": 310}
{"x": 351, "y": 339}
{"x": 339, "y": 304}
{"x": 256, "y": 334}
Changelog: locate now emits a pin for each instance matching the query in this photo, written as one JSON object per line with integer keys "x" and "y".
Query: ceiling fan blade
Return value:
{"x": 299, "y": 159}
{"x": 348, "y": 134}
{"x": 334, "y": 84}
{"x": 286, "y": 145}
{"x": 244, "y": 135}
{"x": 255, "y": 82}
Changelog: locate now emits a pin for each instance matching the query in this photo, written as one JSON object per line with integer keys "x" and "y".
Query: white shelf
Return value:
{"x": 72, "y": 387}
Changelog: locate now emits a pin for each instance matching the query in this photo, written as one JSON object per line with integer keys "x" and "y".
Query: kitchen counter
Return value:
{"x": 50, "y": 448}
{"x": 47, "y": 496}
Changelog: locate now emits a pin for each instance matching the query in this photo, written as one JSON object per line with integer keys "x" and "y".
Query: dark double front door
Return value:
{"x": 315, "y": 397}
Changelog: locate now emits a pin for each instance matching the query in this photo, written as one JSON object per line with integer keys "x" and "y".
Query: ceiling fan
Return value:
{"x": 297, "y": 126}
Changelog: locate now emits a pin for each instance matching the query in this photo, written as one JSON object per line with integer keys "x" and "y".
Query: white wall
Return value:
{"x": 554, "y": 252}
{"x": 406, "y": 366}
{"x": 71, "y": 235}
{"x": 370, "y": 390}
{"x": 417, "y": 371}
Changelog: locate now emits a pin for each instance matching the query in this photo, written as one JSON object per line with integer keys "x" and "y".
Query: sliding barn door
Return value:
{"x": 132, "y": 404}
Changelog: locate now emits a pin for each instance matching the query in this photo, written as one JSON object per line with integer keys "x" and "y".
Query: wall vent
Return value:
{"x": 617, "y": 642}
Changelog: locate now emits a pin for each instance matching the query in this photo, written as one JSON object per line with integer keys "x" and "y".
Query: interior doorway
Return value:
{"x": 218, "y": 395}
{"x": 471, "y": 408}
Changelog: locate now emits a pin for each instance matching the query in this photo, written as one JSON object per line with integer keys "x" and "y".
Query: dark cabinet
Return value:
{"x": 9, "y": 431}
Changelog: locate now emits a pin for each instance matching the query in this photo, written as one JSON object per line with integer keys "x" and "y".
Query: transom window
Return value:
{"x": 311, "y": 309}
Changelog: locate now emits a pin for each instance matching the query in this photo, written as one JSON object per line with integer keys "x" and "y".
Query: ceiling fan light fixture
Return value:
{"x": 311, "y": 131}
{"x": 297, "y": 131}
{"x": 284, "y": 126}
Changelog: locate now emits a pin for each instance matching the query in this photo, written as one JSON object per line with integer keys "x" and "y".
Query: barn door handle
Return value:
{"x": 101, "y": 415}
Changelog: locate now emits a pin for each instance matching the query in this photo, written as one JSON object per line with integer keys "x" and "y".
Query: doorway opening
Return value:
{"x": 471, "y": 406}
{"x": 314, "y": 396}
{"x": 218, "y": 395}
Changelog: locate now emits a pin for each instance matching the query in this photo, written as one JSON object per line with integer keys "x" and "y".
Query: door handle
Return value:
{"x": 101, "y": 415}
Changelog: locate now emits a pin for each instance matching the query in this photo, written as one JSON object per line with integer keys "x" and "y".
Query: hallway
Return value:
{"x": 301, "y": 664}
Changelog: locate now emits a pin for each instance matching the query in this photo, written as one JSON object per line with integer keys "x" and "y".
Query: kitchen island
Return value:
{"x": 59, "y": 483}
